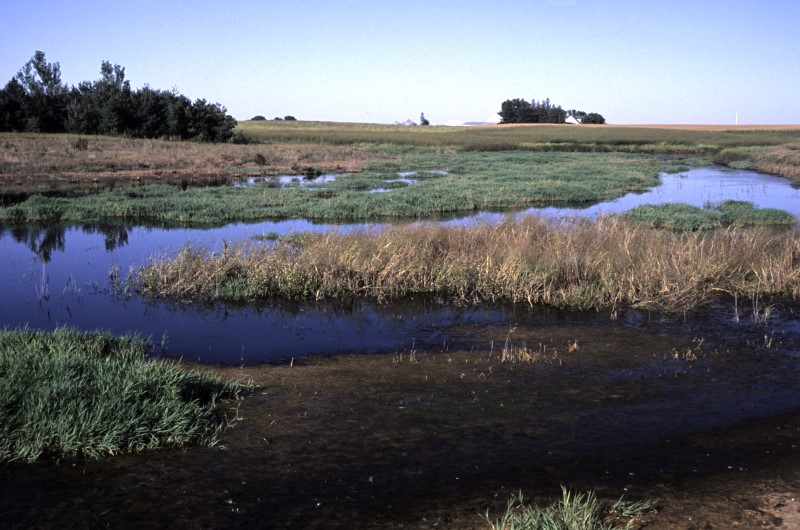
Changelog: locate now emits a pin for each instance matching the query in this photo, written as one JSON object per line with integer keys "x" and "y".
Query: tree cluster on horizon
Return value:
{"x": 521, "y": 111}
{"x": 35, "y": 100}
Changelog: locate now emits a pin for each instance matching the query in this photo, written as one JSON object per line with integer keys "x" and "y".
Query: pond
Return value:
{"x": 640, "y": 404}
{"x": 59, "y": 276}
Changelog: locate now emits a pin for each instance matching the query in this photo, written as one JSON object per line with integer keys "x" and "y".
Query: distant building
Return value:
{"x": 572, "y": 120}
{"x": 407, "y": 123}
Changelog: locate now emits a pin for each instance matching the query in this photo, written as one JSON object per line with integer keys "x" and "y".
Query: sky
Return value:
{"x": 375, "y": 61}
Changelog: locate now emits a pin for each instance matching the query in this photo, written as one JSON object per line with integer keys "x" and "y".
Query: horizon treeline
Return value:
{"x": 35, "y": 100}
{"x": 520, "y": 111}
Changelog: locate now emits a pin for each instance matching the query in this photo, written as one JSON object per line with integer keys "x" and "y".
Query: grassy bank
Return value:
{"x": 729, "y": 214}
{"x": 607, "y": 264}
{"x": 68, "y": 393}
{"x": 453, "y": 183}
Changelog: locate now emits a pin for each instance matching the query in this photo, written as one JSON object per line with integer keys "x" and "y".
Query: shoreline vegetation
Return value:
{"x": 458, "y": 170}
{"x": 461, "y": 182}
{"x": 604, "y": 265}
{"x": 68, "y": 394}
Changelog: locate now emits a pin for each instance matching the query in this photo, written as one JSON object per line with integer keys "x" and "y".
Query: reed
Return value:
{"x": 69, "y": 393}
{"x": 578, "y": 264}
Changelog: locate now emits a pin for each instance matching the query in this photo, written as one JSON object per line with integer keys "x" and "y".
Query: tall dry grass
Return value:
{"x": 588, "y": 265}
{"x": 781, "y": 160}
{"x": 42, "y": 157}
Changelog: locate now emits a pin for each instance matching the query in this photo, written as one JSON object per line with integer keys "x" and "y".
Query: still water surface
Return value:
{"x": 59, "y": 276}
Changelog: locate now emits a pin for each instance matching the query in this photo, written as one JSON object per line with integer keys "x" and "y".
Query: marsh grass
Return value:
{"x": 474, "y": 181}
{"x": 685, "y": 217}
{"x": 69, "y": 393}
{"x": 575, "y": 511}
{"x": 608, "y": 264}
{"x": 781, "y": 160}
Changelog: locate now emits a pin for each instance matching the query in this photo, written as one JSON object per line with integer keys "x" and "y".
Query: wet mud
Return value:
{"x": 434, "y": 437}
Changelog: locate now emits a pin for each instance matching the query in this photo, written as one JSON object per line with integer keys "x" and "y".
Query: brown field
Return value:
{"x": 37, "y": 162}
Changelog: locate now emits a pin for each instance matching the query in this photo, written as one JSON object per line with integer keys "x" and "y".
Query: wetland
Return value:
{"x": 425, "y": 408}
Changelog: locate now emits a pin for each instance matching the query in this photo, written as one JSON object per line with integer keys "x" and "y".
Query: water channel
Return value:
{"x": 59, "y": 276}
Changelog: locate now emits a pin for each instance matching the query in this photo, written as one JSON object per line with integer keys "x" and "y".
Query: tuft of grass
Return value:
{"x": 522, "y": 354}
{"x": 675, "y": 216}
{"x": 73, "y": 394}
{"x": 684, "y": 217}
{"x": 575, "y": 511}
{"x": 743, "y": 213}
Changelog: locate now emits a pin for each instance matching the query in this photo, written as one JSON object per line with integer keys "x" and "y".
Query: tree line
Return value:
{"x": 521, "y": 111}
{"x": 35, "y": 100}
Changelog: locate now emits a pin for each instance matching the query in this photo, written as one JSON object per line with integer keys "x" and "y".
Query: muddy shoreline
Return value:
{"x": 434, "y": 439}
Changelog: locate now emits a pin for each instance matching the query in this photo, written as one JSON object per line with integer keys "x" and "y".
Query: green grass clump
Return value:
{"x": 575, "y": 511}
{"x": 686, "y": 218}
{"x": 675, "y": 216}
{"x": 743, "y": 213}
{"x": 69, "y": 393}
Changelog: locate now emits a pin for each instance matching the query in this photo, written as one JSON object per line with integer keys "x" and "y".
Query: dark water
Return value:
{"x": 645, "y": 405}
{"x": 59, "y": 276}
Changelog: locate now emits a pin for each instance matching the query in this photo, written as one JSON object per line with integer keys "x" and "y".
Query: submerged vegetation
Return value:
{"x": 606, "y": 264}
{"x": 69, "y": 393}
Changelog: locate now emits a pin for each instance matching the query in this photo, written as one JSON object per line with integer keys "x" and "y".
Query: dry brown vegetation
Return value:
{"x": 781, "y": 160}
{"x": 39, "y": 161}
{"x": 32, "y": 162}
{"x": 606, "y": 264}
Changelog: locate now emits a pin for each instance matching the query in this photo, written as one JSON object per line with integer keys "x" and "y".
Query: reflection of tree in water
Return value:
{"x": 116, "y": 235}
{"x": 44, "y": 241}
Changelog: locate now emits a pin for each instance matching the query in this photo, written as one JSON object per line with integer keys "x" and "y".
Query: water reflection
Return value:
{"x": 43, "y": 241}
{"x": 59, "y": 275}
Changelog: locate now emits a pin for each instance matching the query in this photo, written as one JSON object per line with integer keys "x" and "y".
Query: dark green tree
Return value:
{"x": 46, "y": 97}
{"x": 35, "y": 100}
{"x": 514, "y": 111}
{"x": 13, "y": 101}
{"x": 113, "y": 95}
{"x": 594, "y": 118}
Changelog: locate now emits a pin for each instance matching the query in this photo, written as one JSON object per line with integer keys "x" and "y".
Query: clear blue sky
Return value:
{"x": 634, "y": 61}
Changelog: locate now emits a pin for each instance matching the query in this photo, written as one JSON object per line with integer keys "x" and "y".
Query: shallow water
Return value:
{"x": 59, "y": 276}
{"x": 390, "y": 440}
